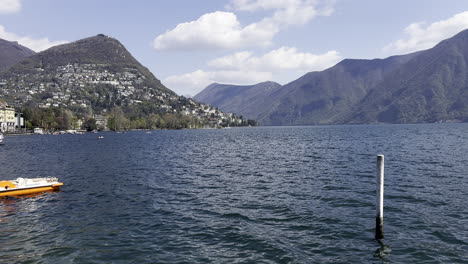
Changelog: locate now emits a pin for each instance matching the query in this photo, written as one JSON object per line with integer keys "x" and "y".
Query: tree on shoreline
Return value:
{"x": 122, "y": 118}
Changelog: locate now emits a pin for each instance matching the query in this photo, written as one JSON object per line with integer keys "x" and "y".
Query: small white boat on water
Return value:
{"x": 1, "y": 138}
{"x": 23, "y": 186}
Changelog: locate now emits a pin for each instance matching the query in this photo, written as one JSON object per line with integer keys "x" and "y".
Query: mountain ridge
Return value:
{"x": 362, "y": 91}
{"x": 435, "y": 82}
{"x": 244, "y": 96}
{"x": 11, "y": 53}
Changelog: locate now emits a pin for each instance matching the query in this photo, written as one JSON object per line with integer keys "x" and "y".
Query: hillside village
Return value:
{"x": 64, "y": 87}
{"x": 92, "y": 89}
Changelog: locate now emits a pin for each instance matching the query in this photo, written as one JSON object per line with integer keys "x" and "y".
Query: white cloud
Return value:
{"x": 222, "y": 30}
{"x": 281, "y": 59}
{"x": 215, "y": 30}
{"x": 10, "y": 6}
{"x": 36, "y": 44}
{"x": 422, "y": 36}
{"x": 231, "y": 62}
{"x": 254, "y": 5}
{"x": 243, "y": 68}
{"x": 193, "y": 82}
{"x": 287, "y": 12}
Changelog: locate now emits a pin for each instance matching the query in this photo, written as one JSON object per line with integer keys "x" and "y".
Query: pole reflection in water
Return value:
{"x": 383, "y": 252}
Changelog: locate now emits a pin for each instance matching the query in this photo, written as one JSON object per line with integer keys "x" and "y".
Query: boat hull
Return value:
{"x": 24, "y": 191}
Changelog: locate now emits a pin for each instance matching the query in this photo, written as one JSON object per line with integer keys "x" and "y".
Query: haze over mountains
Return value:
{"x": 421, "y": 87}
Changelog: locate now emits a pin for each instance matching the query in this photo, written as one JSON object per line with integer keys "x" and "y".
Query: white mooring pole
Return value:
{"x": 380, "y": 196}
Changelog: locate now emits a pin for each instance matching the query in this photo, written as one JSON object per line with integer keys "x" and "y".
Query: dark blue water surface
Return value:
{"x": 248, "y": 195}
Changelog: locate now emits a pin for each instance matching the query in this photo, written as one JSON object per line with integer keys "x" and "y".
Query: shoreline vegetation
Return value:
{"x": 62, "y": 119}
{"x": 81, "y": 131}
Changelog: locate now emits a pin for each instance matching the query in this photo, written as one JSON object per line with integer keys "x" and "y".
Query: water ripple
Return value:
{"x": 258, "y": 195}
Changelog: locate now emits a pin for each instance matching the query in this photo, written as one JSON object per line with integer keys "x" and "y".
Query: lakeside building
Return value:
{"x": 7, "y": 118}
{"x": 38, "y": 131}
{"x": 19, "y": 121}
{"x": 78, "y": 124}
{"x": 101, "y": 122}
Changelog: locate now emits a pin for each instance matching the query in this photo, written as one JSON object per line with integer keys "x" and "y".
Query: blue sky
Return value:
{"x": 189, "y": 44}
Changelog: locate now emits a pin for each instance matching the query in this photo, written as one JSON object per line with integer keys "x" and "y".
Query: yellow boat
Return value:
{"x": 23, "y": 186}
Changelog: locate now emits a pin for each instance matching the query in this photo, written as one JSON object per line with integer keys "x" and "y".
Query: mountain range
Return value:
{"x": 421, "y": 87}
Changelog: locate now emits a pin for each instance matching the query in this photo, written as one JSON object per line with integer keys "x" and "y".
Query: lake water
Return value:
{"x": 241, "y": 195}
